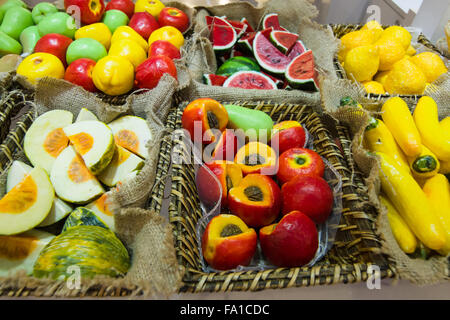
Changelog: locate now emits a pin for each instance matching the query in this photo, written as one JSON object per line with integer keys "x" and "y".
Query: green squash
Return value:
{"x": 83, "y": 217}
{"x": 95, "y": 250}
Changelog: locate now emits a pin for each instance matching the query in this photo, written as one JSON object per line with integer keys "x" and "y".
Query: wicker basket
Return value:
{"x": 356, "y": 246}
{"x": 340, "y": 30}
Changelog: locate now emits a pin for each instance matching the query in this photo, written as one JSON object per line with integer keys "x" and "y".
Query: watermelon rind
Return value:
{"x": 212, "y": 79}
{"x": 270, "y": 82}
{"x": 226, "y": 25}
{"x": 283, "y": 47}
{"x": 306, "y": 84}
{"x": 249, "y": 26}
{"x": 236, "y": 64}
{"x": 238, "y": 26}
{"x": 245, "y": 43}
{"x": 297, "y": 49}
{"x": 271, "y": 20}
{"x": 262, "y": 55}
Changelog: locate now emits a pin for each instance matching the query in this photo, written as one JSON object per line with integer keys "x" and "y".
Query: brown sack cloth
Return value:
{"x": 417, "y": 271}
{"x": 295, "y": 15}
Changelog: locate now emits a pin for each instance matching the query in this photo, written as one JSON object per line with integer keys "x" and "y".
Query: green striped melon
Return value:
{"x": 83, "y": 217}
{"x": 237, "y": 64}
{"x": 93, "y": 249}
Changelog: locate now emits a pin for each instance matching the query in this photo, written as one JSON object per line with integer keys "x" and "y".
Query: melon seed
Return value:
{"x": 213, "y": 122}
{"x": 254, "y": 159}
{"x": 253, "y": 193}
{"x": 230, "y": 230}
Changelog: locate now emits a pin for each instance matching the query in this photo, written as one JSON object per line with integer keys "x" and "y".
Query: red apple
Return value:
{"x": 126, "y": 6}
{"x": 149, "y": 72}
{"x": 165, "y": 48}
{"x": 80, "y": 73}
{"x": 299, "y": 161}
{"x": 174, "y": 17}
{"x": 55, "y": 44}
{"x": 309, "y": 194}
{"x": 292, "y": 242}
{"x": 91, "y": 11}
{"x": 144, "y": 24}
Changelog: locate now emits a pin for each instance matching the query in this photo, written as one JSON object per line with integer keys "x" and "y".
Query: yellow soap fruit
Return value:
{"x": 390, "y": 51}
{"x": 398, "y": 33}
{"x": 405, "y": 78}
{"x": 410, "y": 51}
{"x": 356, "y": 39}
{"x": 126, "y": 32}
{"x": 167, "y": 33}
{"x": 372, "y": 25}
{"x": 381, "y": 77}
{"x": 40, "y": 65}
{"x": 430, "y": 64}
{"x": 128, "y": 49}
{"x": 374, "y": 87}
{"x": 361, "y": 63}
{"x": 113, "y": 75}
{"x": 154, "y": 7}
{"x": 97, "y": 31}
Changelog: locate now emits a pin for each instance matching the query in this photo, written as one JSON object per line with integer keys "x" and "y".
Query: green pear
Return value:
{"x": 9, "y": 45}
{"x": 16, "y": 19}
{"x": 59, "y": 22}
{"x": 28, "y": 38}
{"x": 254, "y": 123}
{"x": 42, "y": 10}
{"x": 9, "y": 4}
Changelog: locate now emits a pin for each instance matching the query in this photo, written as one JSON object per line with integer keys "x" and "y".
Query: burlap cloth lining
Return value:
{"x": 418, "y": 271}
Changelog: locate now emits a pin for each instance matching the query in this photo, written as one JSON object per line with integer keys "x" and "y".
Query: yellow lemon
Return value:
{"x": 114, "y": 75}
{"x": 430, "y": 64}
{"x": 126, "y": 32}
{"x": 374, "y": 87}
{"x": 361, "y": 63}
{"x": 356, "y": 39}
{"x": 399, "y": 33}
{"x": 381, "y": 76}
{"x": 390, "y": 51}
{"x": 405, "y": 78}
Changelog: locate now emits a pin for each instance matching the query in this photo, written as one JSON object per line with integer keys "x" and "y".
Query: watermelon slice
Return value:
{"x": 271, "y": 21}
{"x": 245, "y": 43}
{"x": 268, "y": 56}
{"x": 250, "y": 80}
{"x": 222, "y": 34}
{"x": 297, "y": 49}
{"x": 301, "y": 73}
{"x": 214, "y": 79}
{"x": 249, "y": 26}
{"x": 236, "y": 64}
{"x": 238, "y": 26}
{"x": 277, "y": 81}
{"x": 283, "y": 40}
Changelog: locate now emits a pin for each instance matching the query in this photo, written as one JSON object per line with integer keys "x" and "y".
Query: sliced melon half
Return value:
{"x": 72, "y": 180}
{"x": 27, "y": 204}
{"x": 16, "y": 173}
{"x": 45, "y": 139}
{"x": 132, "y": 133}
{"x": 123, "y": 163}
{"x": 94, "y": 141}
{"x": 86, "y": 115}
{"x": 102, "y": 209}
{"x": 20, "y": 252}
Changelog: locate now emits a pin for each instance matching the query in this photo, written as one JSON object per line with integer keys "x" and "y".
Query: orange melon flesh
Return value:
{"x": 102, "y": 208}
{"x": 20, "y": 252}
{"x": 45, "y": 139}
{"x": 27, "y": 204}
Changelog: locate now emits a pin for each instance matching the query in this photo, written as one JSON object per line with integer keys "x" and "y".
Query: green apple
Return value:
{"x": 28, "y": 38}
{"x": 9, "y": 4}
{"x": 85, "y": 48}
{"x": 9, "y": 45}
{"x": 16, "y": 19}
{"x": 114, "y": 19}
{"x": 42, "y": 10}
{"x": 59, "y": 22}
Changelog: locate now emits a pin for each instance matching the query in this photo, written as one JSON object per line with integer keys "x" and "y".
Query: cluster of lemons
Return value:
{"x": 384, "y": 60}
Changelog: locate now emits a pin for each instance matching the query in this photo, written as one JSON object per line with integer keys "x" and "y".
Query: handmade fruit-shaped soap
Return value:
{"x": 229, "y": 175}
{"x": 292, "y": 242}
{"x": 227, "y": 146}
{"x": 42, "y": 10}
{"x": 9, "y": 4}
{"x": 86, "y": 115}
{"x": 40, "y": 65}
{"x": 228, "y": 243}
{"x": 129, "y": 33}
{"x": 174, "y": 17}
{"x": 144, "y": 24}
{"x": 114, "y": 19}
{"x": 72, "y": 180}
{"x": 28, "y": 38}
{"x": 257, "y": 157}
{"x": 113, "y": 75}
{"x": 126, "y": 6}
{"x": 85, "y": 48}
{"x": 153, "y": 7}
{"x": 9, "y": 45}
{"x": 309, "y": 194}
{"x": 45, "y": 139}
{"x": 299, "y": 162}
{"x": 55, "y": 44}
{"x": 164, "y": 48}
{"x": 256, "y": 200}
{"x": 97, "y": 31}
{"x": 286, "y": 135}
{"x": 130, "y": 50}
{"x": 82, "y": 216}
{"x": 94, "y": 142}
{"x": 256, "y": 124}
{"x": 91, "y": 11}
{"x": 102, "y": 209}
{"x": 149, "y": 72}
{"x": 80, "y": 73}
{"x": 132, "y": 133}
{"x": 15, "y": 21}
{"x": 27, "y": 204}
{"x": 168, "y": 33}
{"x": 202, "y": 117}
{"x": 59, "y": 22}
